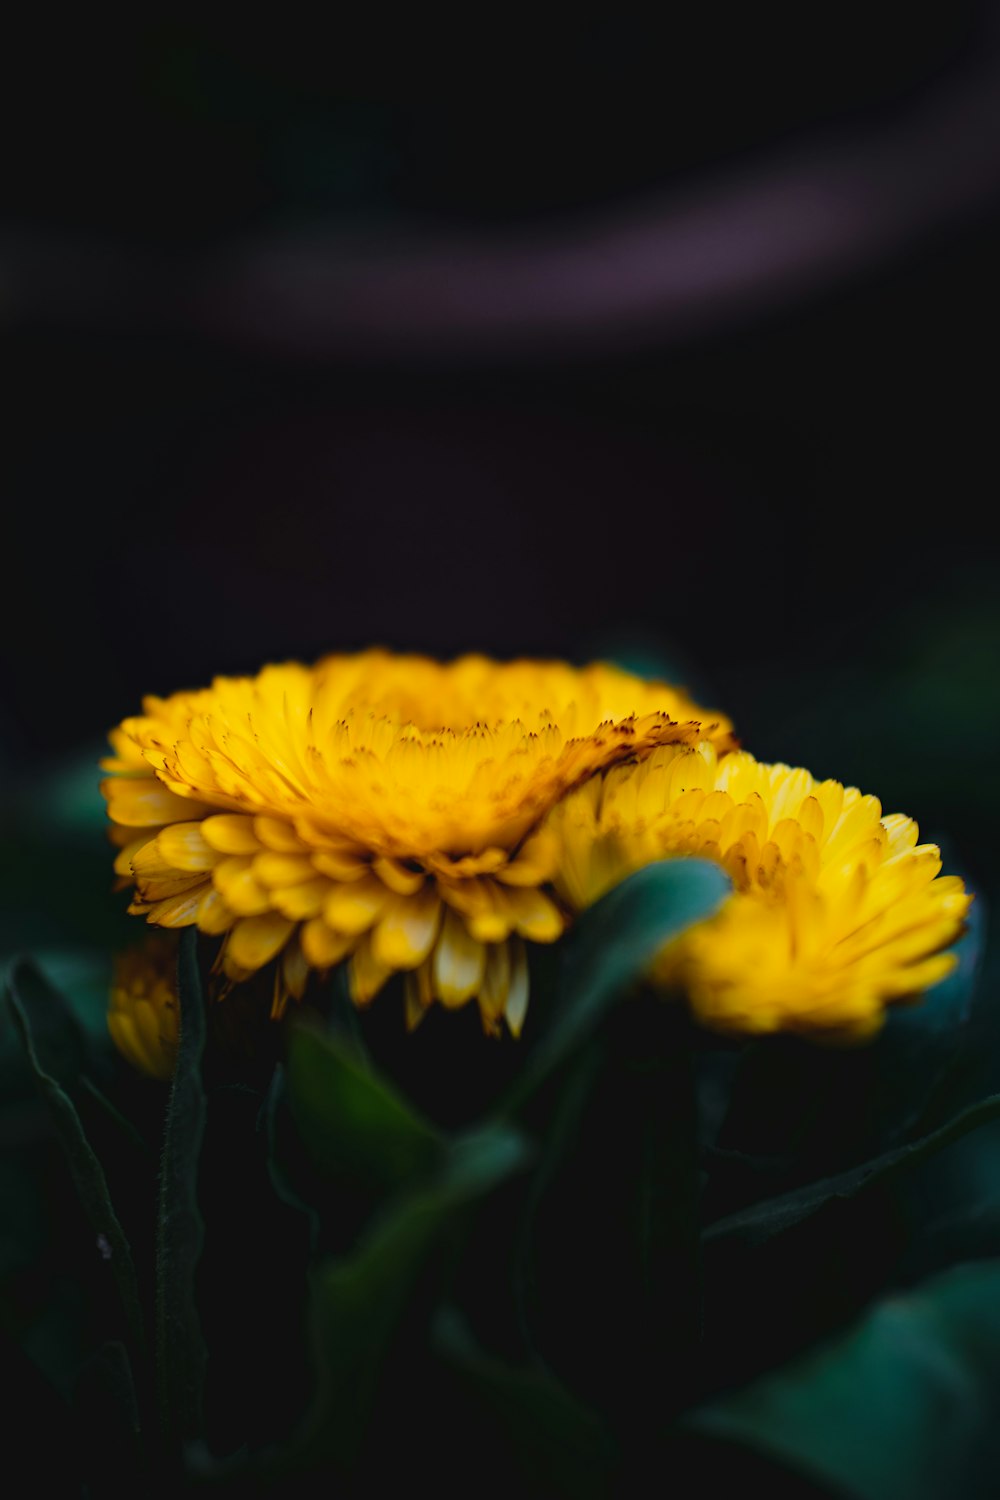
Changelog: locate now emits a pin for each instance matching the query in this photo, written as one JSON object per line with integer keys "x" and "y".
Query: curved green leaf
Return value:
{"x": 903, "y": 1406}
{"x": 352, "y": 1122}
{"x": 56, "y": 1035}
{"x": 772, "y": 1216}
{"x": 85, "y": 1169}
{"x": 358, "y": 1301}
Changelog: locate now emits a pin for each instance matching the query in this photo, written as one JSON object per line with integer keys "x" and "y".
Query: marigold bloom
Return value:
{"x": 836, "y": 912}
{"x": 378, "y": 807}
{"x": 143, "y": 1016}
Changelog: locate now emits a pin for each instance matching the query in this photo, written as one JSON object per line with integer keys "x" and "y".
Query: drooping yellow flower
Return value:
{"x": 378, "y": 807}
{"x": 836, "y": 910}
{"x": 143, "y": 1016}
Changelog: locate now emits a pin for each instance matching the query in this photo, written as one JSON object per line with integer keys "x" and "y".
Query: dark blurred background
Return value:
{"x": 629, "y": 335}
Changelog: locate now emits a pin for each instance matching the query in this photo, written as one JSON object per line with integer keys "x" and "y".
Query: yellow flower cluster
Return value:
{"x": 401, "y": 814}
{"x": 388, "y": 810}
{"x": 836, "y": 910}
{"x": 143, "y": 1016}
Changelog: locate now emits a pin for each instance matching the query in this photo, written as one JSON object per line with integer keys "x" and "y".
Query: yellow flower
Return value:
{"x": 836, "y": 909}
{"x": 142, "y": 1016}
{"x": 378, "y": 807}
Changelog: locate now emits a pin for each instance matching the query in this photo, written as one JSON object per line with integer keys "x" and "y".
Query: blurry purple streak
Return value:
{"x": 747, "y": 241}
{"x": 750, "y": 241}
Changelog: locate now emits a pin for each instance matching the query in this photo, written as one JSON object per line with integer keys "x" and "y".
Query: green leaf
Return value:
{"x": 83, "y": 976}
{"x": 563, "y": 1448}
{"x": 905, "y": 1404}
{"x": 353, "y": 1123}
{"x": 180, "y": 1231}
{"x": 611, "y": 946}
{"x": 56, "y": 1037}
{"x": 760, "y": 1222}
{"x": 358, "y": 1302}
{"x": 85, "y": 1168}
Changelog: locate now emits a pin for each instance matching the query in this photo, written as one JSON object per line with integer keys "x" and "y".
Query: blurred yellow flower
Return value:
{"x": 375, "y": 807}
{"x": 836, "y": 911}
{"x": 143, "y": 1017}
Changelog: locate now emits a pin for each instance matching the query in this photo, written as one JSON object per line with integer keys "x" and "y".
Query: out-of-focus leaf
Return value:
{"x": 353, "y": 1123}
{"x": 612, "y": 945}
{"x": 56, "y": 1036}
{"x": 112, "y": 1246}
{"x": 83, "y": 976}
{"x": 771, "y": 1216}
{"x": 180, "y": 1347}
{"x": 357, "y": 1302}
{"x": 905, "y": 1404}
{"x": 953, "y": 1206}
{"x": 563, "y": 1448}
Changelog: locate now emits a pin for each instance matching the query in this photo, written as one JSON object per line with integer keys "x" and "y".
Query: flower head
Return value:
{"x": 143, "y": 1016}
{"x": 836, "y": 910}
{"x": 378, "y": 807}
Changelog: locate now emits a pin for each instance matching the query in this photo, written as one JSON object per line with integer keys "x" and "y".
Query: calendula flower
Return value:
{"x": 378, "y": 808}
{"x": 836, "y": 911}
{"x": 143, "y": 1016}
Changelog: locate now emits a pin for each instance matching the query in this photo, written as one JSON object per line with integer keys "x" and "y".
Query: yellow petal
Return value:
{"x": 144, "y": 802}
{"x": 517, "y": 990}
{"x": 174, "y": 884}
{"x": 176, "y": 911}
{"x": 273, "y": 869}
{"x": 418, "y": 995}
{"x": 322, "y": 946}
{"x": 301, "y": 902}
{"x": 394, "y": 874}
{"x": 184, "y": 846}
{"x": 231, "y": 833}
{"x": 341, "y": 867}
{"x": 239, "y": 887}
{"x": 482, "y": 903}
{"x": 155, "y": 879}
{"x": 536, "y": 916}
{"x": 254, "y": 941}
{"x": 406, "y": 932}
{"x": 125, "y": 855}
{"x": 365, "y": 974}
{"x": 126, "y": 1038}
{"x": 413, "y": 1011}
{"x": 295, "y": 970}
{"x": 357, "y": 907}
{"x": 496, "y": 982}
{"x": 214, "y": 916}
{"x": 458, "y": 962}
{"x": 536, "y": 861}
{"x": 276, "y": 834}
